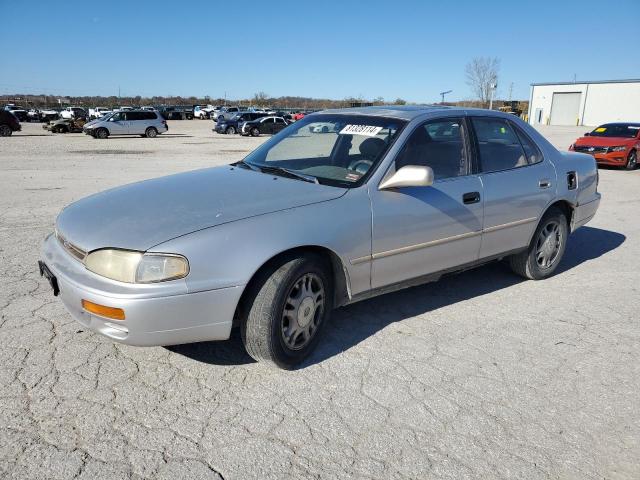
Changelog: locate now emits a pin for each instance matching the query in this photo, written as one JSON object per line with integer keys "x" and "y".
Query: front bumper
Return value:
{"x": 155, "y": 314}
{"x": 615, "y": 159}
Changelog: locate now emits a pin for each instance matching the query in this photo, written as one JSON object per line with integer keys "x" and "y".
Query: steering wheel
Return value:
{"x": 360, "y": 166}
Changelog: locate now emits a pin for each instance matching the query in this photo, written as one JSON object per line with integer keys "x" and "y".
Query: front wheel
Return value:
{"x": 546, "y": 249}
{"x": 632, "y": 160}
{"x": 230, "y": 131}
{"x": 285, "y": 310}
{"x": 255, "y": 132}
{"x": 5, "y": 131}
{"x": 151, "y": 132}
{"x": 102, "y": 133}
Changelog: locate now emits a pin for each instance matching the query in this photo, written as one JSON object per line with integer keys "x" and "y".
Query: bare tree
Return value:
{"x": 399, "y": 101}
{"x": 260, "y": 98}
{"x": 481, "y": 73}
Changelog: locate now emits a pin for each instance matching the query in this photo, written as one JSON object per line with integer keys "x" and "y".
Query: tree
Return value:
{"x": 400, "y": 101}
{"x": 378, "y": 101}
{"x": 481, "y": 74}
{"x": 260, "y": 98}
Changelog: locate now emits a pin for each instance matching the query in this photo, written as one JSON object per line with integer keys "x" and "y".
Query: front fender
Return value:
{"x": 230, "y": 254}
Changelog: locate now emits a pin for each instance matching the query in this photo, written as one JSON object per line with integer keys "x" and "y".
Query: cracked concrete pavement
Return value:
{"x": 481, "y": 375}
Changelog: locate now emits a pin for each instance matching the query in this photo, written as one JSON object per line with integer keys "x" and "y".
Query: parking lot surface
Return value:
{"x": 481, "y": 375}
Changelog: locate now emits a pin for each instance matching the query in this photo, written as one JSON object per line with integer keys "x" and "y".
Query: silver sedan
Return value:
{"x": 336, "y": 208}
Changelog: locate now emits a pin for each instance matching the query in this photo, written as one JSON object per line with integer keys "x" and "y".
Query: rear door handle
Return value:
{"x": 471, "y": 197}
{"x": 544, "y": 183}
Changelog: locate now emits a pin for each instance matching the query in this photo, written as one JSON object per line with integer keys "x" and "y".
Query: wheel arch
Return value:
{"x": 337, "y": 270}
{"x": 565, "y": 206}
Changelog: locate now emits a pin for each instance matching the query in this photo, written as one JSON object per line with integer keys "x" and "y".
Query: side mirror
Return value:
{"x": 587, "y": 134}
{"x": 409, "y": 176}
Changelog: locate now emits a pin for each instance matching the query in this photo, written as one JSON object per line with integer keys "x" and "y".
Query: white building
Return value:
{"x": 585, "y": 103}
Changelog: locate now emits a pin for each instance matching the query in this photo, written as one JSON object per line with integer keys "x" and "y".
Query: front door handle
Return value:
{"x": 471, "y": 197}
{"x": 544, "y": 183}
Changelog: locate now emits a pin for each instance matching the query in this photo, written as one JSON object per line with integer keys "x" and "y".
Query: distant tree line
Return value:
{"x": 260, "y": 99}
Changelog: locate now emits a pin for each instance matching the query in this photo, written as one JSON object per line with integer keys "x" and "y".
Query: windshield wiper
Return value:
{"x": 246, "y": 165}
{"x": 289, "y": 173}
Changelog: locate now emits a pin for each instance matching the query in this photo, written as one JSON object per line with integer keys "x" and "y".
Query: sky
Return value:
{"x": 323, "y": 49}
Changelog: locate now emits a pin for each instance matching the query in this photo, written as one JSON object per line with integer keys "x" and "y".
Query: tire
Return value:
{"x": 255, "y": 132}
{"x": 230, "y": 131}
{"x": 5, "y": 131}
{"x": 102, "y": 133}
{"x": 542, "y": 257}
{"x": 220, "y": 118}
{"x": 632, "y": 160}
{"x": 299, "y": 285}
{"x": 151, "y": 132}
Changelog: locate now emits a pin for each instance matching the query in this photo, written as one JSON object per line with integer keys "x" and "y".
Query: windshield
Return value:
{"x": 338, "y": 150}
{"x": 616, "y": 130}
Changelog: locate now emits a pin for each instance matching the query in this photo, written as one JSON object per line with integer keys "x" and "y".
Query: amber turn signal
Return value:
{"x": 102, "y": 311}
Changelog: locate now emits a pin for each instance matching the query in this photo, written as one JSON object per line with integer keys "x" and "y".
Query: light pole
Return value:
{"x": 492, "y": 89}
{"x": 442, "y": 94}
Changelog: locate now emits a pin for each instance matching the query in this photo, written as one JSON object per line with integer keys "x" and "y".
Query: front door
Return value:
{"x": 518, "y": 184}
{"x": 118, "y": 124}
{"x": 421, "y": 230}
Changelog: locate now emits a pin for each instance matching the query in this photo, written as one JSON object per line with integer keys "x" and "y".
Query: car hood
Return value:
{"x": 605, "y": 141}
{"x": 144, "y": 214}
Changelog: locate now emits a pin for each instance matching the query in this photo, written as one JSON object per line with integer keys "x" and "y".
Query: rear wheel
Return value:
{"x": 546, "y": 249}
{"x": 255, "y": 132}
{"x": 102, "y": 133}
{"x": 151, "y": 132}
{"x": 5, "y": 131}
{"x": 286, "y": 309}
{"x": 632, "y": 160}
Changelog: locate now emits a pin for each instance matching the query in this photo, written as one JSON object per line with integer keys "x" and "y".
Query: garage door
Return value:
{"x": 565, "y": 108}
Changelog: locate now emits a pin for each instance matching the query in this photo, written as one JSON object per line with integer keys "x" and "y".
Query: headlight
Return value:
{"x": 617, "y": 149}
{"x": 136, "y": 267}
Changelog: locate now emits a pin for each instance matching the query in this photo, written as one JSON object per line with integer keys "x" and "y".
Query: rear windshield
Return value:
{"x": 616, "y": 130}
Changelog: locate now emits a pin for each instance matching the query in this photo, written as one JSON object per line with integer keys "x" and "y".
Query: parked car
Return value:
{"x": 227, "y": 112}
{"x": 98, "y": 112}
{"x": 72, "y": 112}
{"x": 232, "y": 125}
{"x": 9, "y": 123}
{"x": 131, "y": 122}
{"x": 19, "y": 112}
{"x": 33, "y": 115}
{"x": 298, "y": 116}
{"x": 264, "y": 125}
{"x": 201, "y": 112}
{"x": 177, "y": 112}
{"x": 66, "y": 125}
{"x": 398, "y": 197}
{"x": 48, "y": 114}
{"x": 614, "y": 144}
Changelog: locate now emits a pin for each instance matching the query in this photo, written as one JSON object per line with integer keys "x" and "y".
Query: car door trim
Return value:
{"x": 440, "y": 241}
{"x": 411, "y": 248}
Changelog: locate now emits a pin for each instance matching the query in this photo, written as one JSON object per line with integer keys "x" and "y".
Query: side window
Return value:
{"x": 279, "y": 120}
{"x": 134, "y": 116}
{"x": 438, "y": 144}
{"x": 498, "y": 145}
{"x": 531, "y": 150}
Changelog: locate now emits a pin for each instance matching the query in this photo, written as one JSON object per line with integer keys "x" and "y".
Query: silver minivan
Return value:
{"x": 145, "y": 123}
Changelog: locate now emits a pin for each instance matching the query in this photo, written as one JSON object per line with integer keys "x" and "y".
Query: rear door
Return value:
{"x": 518, "y": 184}
{"x": 136, "y": 124}
{"x": 267, "y": 126}
{"x": 278, "y": 125}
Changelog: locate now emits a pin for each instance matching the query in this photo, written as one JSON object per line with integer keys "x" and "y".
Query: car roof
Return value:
{"x": 406, "y": 112}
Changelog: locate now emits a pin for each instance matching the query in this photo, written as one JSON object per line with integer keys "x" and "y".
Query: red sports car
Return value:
{"x": 615, "y": 144}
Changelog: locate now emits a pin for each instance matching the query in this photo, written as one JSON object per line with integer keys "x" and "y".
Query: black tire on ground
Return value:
{"x": 102, "y": 133}
{"x": 546, "y": 249}
{"x": 5, "y": 131}
{"x": 151, "y": 132}
{"x": 265, "y": 328}
{"x": 230, "y": 131}
{"x": 632, "y": 160}
{"x": 255, "y": 132}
